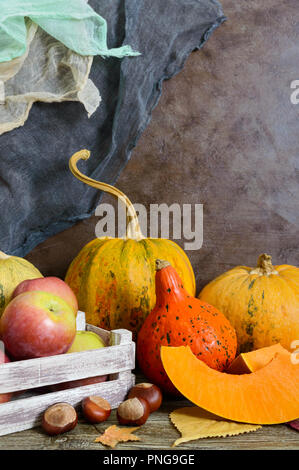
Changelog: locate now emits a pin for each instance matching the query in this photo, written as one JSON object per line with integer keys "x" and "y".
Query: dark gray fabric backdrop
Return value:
{"x": 39, "y": 196}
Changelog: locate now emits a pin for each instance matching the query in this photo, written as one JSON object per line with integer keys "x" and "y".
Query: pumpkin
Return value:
{"x": 13, "y": 270}
{"x": 249, "y": 362}
{"x": 114, "y": 278}
{"x": 267, "y": 396}
{"x": 180, "y": 319}
{"x": 262, "y": 303}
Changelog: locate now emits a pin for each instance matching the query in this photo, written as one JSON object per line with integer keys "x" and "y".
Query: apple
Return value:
{"x": 4, "y": 397}
{"x": 3, "y": 357}
{"x": 50, "y": 284}
{"x": 84, "y": 341}
{"x": 37, "y": 324}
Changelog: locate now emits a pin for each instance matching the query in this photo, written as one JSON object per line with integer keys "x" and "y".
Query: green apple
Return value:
{"x": 86, "y": 340}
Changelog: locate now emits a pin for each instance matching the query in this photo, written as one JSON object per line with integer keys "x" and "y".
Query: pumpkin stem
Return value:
{"x": 4, "y": 255}
{"x": 264, "y": 266}
{"x": 168, "y": 283}
{"x": 161, "y": 263}
{"x": 133, "y": 227}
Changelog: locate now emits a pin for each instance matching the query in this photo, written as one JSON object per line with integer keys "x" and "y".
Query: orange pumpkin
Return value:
{"x": 249, "y": 362}
{"x": 262, "y": 303}
{"x": 177, "y": 319}
{"x": 267, "y": 396}
{"x": 114, "y": 278}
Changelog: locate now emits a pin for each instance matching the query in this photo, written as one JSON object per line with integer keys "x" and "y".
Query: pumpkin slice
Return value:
{"x": 268, "y": 396}
{"x": 250, "y": 362}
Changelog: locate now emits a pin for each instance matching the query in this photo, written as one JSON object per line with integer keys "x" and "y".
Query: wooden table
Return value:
{"x": 158, "y": 433}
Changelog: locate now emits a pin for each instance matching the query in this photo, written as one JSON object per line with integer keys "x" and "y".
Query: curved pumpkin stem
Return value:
{"x": 133, "y": 228}
{"x": 264, "y": 266}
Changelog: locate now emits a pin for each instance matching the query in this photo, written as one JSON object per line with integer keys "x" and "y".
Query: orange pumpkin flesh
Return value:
{"x": 180, "y": 319}
{"x": 267, "y": 396}
{"x": 250, "y": 362}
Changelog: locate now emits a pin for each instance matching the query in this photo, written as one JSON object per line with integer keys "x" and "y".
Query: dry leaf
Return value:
{"x": 294, "y": 424}
{"x": 113, "y": 435}
{"x": 196, "y": 423}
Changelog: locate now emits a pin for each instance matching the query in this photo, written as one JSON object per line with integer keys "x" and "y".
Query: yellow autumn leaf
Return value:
{"x": 113, "y": 435}
{"x": 196, "y": 423}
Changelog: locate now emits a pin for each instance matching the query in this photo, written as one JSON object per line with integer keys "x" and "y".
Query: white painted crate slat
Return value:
{"x": 35, "y": 373}
{"x": 26, "y": 413}
{"x": 116, "y": 360}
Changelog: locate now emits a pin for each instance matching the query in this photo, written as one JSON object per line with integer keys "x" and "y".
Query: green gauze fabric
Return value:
{"x": 74, "y": 23}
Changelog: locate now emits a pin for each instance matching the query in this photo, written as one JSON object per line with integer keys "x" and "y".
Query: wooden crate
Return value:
{"x": 116, "y": 360}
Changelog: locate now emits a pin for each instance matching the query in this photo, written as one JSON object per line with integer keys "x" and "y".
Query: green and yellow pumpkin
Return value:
{"x": 114, "y": 278}
{"x": 262, "y": 303}
{"x": 13, "y": 270}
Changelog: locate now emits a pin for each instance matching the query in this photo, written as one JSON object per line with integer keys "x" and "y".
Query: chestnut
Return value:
{"x": 149, "y": 392}
{"x": 96, "y": 409}
{"x": 133, "y": 411}
{"x": 59, "y": 418}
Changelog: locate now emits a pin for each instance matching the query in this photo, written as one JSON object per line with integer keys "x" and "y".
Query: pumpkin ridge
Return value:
{"x": 188, "y": 265}
{"x": 293, "y": 284}
{"x": 191, "y": 288}
{"x": 284, "y": 267}
{"x": 179, "y": 250}
{"x": 95, "y": 314}
{"x": 75, "y": 275}
{"x": 72, "y": 272}
{"x": 87, "y": 276}
{"x": 263, "y": 309}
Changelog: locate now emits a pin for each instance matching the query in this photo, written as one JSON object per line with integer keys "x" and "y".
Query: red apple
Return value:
{"x": 51, "y": 284}
{"x": 3, "y": 357}
{"x": 4, "y": 397}
{"x": 84, "y": 341}
{"x": 37, "y": 324}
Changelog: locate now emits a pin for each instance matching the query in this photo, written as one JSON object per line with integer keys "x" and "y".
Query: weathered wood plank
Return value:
{"x": 26, "y": 413}
{"x": 158, "y": 433}
{"x": 43, "y": 371}
{"x": 119, "y": 336}
{"x": 80, "y": 321}
{"x": 116, "y": 360}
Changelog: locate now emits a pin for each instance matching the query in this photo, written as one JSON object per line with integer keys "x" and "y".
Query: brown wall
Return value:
{"x": 224, "y": 134}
